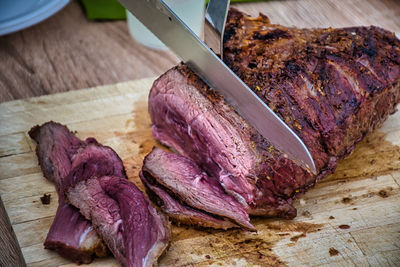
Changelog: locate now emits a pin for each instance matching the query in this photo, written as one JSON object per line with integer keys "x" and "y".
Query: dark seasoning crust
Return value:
{"x": 348, "y": 71}
{"x": 331, "y": 86}
{"x": 350, "y": 78}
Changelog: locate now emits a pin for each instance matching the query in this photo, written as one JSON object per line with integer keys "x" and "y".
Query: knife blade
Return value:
{"x": 216, "y": 13}
{"x": 175, "y": 34}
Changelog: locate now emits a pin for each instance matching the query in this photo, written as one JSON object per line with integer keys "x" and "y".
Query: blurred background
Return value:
{"x": 87, "y": 43}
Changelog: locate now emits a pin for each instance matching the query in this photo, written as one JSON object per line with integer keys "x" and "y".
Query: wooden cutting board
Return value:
{"x": 350, "y": 218}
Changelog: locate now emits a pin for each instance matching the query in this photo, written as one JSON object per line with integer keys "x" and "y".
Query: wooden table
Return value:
{"x": 67, "y": 52}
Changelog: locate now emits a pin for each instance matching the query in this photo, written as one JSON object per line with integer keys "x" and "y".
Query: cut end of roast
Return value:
{"x": 331, "y": 87}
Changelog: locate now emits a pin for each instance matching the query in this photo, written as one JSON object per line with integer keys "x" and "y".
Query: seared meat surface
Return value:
{"x": 331, "y": 86}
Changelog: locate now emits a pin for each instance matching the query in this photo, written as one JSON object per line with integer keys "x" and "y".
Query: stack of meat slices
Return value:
{"x": 331, "y": 86}
{"x": 98, "y": 206}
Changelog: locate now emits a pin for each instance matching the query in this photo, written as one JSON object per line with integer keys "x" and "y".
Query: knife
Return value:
{"x": 174, "y": 33}
{"x": 216, "y": 13}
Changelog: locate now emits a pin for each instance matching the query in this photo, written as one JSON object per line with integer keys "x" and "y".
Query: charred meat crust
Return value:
{"x": 331, "y": 86}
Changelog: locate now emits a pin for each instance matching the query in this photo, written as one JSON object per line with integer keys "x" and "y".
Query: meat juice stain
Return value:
{"x": 383, "y": 193}
{"x": 138, "y": 142}
{"x": 235, "y": 247}
{"x": 373, "y": 156}
{"x": 333, "y": 252}
{"x": 220, "y": 247}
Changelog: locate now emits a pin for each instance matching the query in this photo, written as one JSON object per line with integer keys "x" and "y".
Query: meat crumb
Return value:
{"x": 383, "y": 194}
{"x": 297, "y": 237}
{"x": 306, "y": 213}
{"x": 208, "y": 257}
{"x": 346, "y": 200}
{"x": 45, "y": 199}
{"x": 333, "y": 252}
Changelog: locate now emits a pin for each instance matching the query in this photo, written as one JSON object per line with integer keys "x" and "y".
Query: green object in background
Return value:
{"x": 112, "y": 9}
{"x": 242, "y": 1}
{"x": 104, "y": 9}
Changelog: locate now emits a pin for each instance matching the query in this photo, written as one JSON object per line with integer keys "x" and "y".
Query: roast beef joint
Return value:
{"x": 331, "y": 87}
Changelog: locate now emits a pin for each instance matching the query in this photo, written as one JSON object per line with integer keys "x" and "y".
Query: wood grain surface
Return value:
{"x": 12, "y": 256}
{"x": 67, "y": 52}
{"x": 351, "y": 218}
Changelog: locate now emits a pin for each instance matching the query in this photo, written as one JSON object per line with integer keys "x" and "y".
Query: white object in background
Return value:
{"x": 16, "y": 15}
{"x": 190, "y": 11}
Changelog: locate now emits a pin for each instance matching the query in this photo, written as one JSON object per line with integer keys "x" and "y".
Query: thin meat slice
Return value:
{"x": 125, "y": 218}
{"x": 56, "y": 146}
{"x": 71, "y": 235}
{"x": 192, "y": 186}
{"x": 180, "y": 213}
{"x": 146, "y": 233}
{"x": 118, "y": 210}
{"x": 94, "y": 160}
{"x": 81, "y": 242}
{"x": 104, "y": 213}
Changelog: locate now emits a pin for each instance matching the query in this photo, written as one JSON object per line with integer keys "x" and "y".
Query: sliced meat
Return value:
{"x": 81, "y": 243}
{"x": 180, "y": 213}
{"x": 95, "y": 178}
{"x": 94, "y": 160}
{"x": 331, "y": 86}
{"x": 56, "y": 146}
{"x": 184, "y": 179}
{"x": 71, "y": 235}
{"x": 104, "y": 213}
{"x": 146, "y": 233}
{"x": 124, "y": 217}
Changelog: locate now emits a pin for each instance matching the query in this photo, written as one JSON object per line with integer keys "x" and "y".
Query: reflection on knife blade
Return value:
{"x": 159, "y": 19}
